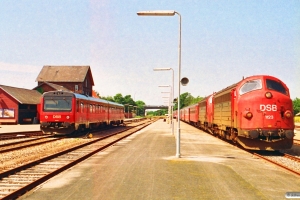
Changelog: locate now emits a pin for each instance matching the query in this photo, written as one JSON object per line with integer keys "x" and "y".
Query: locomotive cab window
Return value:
{"x": 250, "y": 86}
{"x": 57, "y": 103}
{"x": 277, "y": 86}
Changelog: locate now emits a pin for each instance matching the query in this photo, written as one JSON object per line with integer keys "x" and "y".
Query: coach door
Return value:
{"x": 233, "y": 113}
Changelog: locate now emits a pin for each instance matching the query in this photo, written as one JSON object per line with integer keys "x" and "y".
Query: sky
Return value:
{"x": 222, "y": 41}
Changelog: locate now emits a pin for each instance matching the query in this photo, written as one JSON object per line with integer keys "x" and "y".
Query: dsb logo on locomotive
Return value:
{"x": 267, "y": 107}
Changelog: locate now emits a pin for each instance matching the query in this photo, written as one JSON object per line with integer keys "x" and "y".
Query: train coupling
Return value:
{"x": 286, "y": 133}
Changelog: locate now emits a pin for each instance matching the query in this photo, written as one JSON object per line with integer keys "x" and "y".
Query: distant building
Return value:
{"x": 77, "y": 79}
{"x": 18, "y": 105}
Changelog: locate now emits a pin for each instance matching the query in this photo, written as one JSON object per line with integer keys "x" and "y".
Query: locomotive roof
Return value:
{"x": 80, "y": 96}
{"x": 227, "y": 88}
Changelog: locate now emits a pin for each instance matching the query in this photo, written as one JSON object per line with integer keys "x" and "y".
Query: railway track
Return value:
{"x": 15, "y": 182}
{"x": 21, "y": 144}
{"x": 283, "y": 160}
{"x": 18, "y": 135}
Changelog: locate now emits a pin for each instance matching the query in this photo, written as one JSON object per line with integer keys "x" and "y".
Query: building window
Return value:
{"x": 76, "y": 87}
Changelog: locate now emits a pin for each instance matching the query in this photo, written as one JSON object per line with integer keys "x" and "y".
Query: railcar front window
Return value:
{"x": 277, "y": 86}
{"x": 57, "y": 104}
{"x": 250, "y": 86}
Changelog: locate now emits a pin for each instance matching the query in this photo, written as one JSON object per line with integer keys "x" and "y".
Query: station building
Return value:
{"x": 18, "y": 105}
{"x": 78, "y": 79}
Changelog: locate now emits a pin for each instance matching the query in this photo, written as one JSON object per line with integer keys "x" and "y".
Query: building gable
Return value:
{"x": 78, "y": 79}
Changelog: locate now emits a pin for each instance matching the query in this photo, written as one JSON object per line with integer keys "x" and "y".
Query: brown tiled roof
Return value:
{"x": 54, "y": 86}
{"x": 64, "y": 74}
{"x": 23, "y": 96}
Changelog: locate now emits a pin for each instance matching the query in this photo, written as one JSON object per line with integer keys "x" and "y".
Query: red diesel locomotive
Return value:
{"x": 256, "y": 112}
{"x": 64, "y": 112}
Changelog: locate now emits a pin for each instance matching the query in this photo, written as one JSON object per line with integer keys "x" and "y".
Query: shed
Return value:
{"x": 77, "y": 79}
{"x": 18, "y": 105}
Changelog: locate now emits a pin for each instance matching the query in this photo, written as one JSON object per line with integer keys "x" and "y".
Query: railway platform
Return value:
{"x": 19, "y": 128}
{"x": 144, "y": 166}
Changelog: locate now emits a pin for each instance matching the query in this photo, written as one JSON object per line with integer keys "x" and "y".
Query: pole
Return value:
{"x": 179, "y": 75}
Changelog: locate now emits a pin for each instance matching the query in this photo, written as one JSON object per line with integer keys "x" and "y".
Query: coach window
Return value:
{"x": 81, "y": 107}
{"x": 250, "y": 86}
{"x": 77, "y": 106}
{"x": 277, "y": 86}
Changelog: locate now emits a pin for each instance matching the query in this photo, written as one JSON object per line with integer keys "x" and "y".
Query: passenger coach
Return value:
{"x": 65, "y": 112}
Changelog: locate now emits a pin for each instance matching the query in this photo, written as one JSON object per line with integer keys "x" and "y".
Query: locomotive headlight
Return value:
{"x": 68, "y": 117}
{"x": 46, "y": 117}
{"x": 288, "y": 114}
{"x": 268, "y": 95}
{"x": 248, "y": 114}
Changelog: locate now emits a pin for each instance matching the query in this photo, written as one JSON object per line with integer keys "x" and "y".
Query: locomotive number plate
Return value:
{"x": 269, "y": 117}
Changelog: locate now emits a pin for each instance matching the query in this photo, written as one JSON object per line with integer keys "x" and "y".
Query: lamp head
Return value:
{"x": 184, "y": 81}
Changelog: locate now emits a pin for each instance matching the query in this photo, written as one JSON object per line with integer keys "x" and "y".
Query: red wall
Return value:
{"x": 7, "y": 102}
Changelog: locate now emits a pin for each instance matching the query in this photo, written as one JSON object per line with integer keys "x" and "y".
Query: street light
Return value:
{"x": 170, "y": 113}
{"x": 172, "y": 96}
{"x": 169, "y": 104}
{"x": 171, "y": 13}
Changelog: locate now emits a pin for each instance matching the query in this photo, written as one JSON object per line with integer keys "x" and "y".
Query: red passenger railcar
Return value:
{"x": 205, "y": 117}
{"x": 64, "y": 112}
{"x": 255, "y": 112}
{"x": 192, "y": 114}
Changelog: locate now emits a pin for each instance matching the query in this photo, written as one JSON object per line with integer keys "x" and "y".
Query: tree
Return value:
{"x": 119, "y": 98}
{"x": 140, "y": 107}
{"x": 296, "y": 106}
{"x": 160, "y": 112}
{"x": 129, "y": 100}
{"x": 197, "y": 99}
{"x": 187, "y": 99}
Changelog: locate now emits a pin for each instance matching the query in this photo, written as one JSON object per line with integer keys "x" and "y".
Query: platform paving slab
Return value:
{"x": 144, "y": 166}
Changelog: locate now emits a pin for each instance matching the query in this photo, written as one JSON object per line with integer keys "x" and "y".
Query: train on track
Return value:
{"x": 64, "y": 113}
{"x": 256, "y": 112}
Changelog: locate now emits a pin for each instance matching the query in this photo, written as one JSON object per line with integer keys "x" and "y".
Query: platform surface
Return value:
{"x": 144, "y": 166}
{"x": 19, "y": 128}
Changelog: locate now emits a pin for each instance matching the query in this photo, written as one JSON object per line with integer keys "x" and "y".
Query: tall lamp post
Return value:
{"x": 169, "y": 104}
{"x": 171, "y": 13}
{"x": 170, "y": 109}
{"x": 172, "y": 97}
